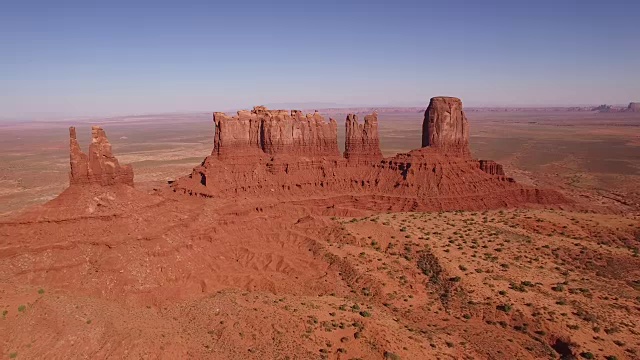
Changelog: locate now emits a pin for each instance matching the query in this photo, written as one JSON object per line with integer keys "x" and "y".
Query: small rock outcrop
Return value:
{"x": 445, "y": 126}
{"x": 100, "y": 167}
{"x": 274, "y": 132}
{"x": 491, "y": 167}
{"x": 361, "y": 140}
{"x": 634, "y": 107}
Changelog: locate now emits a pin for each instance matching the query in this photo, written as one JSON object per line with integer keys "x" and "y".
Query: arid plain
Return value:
{"x": 588, "y": 152}
{"x": 326, "y": 278}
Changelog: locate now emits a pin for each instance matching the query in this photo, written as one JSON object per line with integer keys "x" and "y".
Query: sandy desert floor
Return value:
{"x": 298, "y": 279}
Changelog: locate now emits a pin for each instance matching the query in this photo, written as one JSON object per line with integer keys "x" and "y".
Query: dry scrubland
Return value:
{"x": 298, "y": 279}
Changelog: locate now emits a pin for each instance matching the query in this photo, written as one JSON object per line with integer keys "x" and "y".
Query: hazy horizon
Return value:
{"x": 76, "y": 59}
{"x": 286, "y": 106}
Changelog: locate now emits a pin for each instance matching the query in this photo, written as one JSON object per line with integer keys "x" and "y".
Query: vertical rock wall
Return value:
{"x": 445, "y": 126}
{"x": 99, "y": 167}
{"x": 361, "y": 140}
{"x": 275, "y": 132}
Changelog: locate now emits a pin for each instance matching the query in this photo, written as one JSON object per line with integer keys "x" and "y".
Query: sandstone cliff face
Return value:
{"x": 361, "y": 140}
{"x": 296, "y": 158}
{"x": 491, "y": 167}
{"x": 236, "y": 135}
{"x": 275, "y": 132}
{"x": 298, "y": 134}
{"x": 100, "y": 167}
{"x": 445, "y": 126}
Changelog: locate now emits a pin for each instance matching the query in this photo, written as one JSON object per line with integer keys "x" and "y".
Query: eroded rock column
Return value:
{"x": 362, "y": 141}
{"x": 445, "y": 126}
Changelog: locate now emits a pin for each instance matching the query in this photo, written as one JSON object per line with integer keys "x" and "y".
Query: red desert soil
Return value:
{"x": 279, "y": 247}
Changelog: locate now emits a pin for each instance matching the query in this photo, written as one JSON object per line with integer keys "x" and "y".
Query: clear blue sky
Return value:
{"x": 122, "y": 57}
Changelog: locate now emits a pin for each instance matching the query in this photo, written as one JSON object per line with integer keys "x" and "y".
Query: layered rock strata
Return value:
{"x": 287, "y": 155}
{"x": 361, "y": 140}
{"x": 275, "y": 132}
{"x": 99, "y": 167}
{"x": 491, "y": 167}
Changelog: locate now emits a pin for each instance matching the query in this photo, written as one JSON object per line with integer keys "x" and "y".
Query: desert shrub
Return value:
{"x": 388, "y": 355}
{"x": 612, "y": 330}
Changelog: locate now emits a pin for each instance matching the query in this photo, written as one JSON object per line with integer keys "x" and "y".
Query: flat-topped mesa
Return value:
{"x": 273, "y": 132}
{"x": 361, "y": 140}
{"x": 100, "y": 167}
{"x": 445, "y": 126}
{"x": 491, "y": 167}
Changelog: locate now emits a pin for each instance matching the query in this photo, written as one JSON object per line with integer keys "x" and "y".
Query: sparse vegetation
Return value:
{"x": 388, "y": 355}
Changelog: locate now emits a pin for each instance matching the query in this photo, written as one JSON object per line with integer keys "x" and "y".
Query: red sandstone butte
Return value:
{"x": 633, "y": 107}
{"x": 261, "y": 132}
{"x": 362, "y": 142}
{"x": 276, "y": 153}
{"x": 100, "y": 167}
{"x": 445, "y": 126}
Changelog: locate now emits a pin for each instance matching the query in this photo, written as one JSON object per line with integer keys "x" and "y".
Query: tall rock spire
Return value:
{"x": 445, "y": 126}
{"x": 362, "y": 141}
{"x": 100, "y": 167}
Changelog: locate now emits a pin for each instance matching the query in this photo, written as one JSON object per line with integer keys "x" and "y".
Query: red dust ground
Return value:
{"x": 146, "y": 273}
